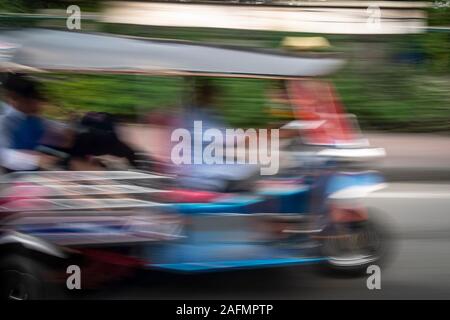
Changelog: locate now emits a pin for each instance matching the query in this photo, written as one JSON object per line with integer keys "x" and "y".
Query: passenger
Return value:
{"x": 280, "y": 109}
{"x": 21, "y": 126}
{"x": 97, "y": 136}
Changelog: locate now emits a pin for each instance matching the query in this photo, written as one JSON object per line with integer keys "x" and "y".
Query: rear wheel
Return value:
{"x": 351, "y": 247}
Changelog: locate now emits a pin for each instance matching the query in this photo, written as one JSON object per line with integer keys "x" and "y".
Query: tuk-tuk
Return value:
{"x": 311, "y": 213}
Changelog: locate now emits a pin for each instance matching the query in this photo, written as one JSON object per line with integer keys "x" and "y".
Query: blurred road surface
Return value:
{"x": 419, "y": 215}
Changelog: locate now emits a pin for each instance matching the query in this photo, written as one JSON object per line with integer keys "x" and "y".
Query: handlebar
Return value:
{"x": 52, "y": 152}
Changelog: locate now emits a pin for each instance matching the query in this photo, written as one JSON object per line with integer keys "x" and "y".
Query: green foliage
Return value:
{"x": 123, "y": 95}
{"x": 405, "y": 89}
{"x": 15, "y": 6}
{"x": 29, "y": 6}
{"x": 437, "y": 48}
{"x": 397, "y": 98}
{"x": 439, "y": 13}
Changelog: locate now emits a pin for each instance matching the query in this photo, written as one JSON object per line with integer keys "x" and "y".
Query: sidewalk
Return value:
{"x": 409, "y": 157}
{"x": 413, "y": 156}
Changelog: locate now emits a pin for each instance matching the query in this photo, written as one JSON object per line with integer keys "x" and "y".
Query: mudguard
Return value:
{"x": 353, "y": 185}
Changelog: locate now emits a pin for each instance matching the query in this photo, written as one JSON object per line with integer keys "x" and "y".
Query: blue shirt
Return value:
{"x": 27, "y": 133}
{"x": 208, "y": 176}
{"x": 19, "y": 133}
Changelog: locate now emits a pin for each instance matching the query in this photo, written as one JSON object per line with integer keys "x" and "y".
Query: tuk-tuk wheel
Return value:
{"x": 21, "y": 279}
{"x": 351, "y": 248}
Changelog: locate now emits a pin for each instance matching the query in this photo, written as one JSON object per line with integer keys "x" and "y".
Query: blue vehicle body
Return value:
{"x": 217, "y": 247}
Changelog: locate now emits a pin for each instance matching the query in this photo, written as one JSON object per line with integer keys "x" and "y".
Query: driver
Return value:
{"x": 211, "y": 177}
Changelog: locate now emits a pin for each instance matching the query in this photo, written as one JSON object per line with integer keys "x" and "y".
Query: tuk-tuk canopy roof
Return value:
{"x": 83, "y": 52}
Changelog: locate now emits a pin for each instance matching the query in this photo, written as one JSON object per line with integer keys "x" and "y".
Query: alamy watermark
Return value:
{"x": 373, "y": 282}
{"x": 441, "y": 4}
{"x": 227, "y": 148}
{"x": 373, "y": 21}
{"x": 74, "y": 279}
{"x": 73, "y": 21}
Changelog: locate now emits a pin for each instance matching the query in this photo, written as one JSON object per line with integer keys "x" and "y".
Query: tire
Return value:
{"x": 22, "y": 278}
{"x": 362, "y": 244}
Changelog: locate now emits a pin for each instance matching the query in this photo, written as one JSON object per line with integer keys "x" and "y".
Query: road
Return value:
{"x": 419, "y": 215}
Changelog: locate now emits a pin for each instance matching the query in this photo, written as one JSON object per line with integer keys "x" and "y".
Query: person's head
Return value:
{"x": 22, "y": 93}
{"x": 205, "y": 92}
{"x": 278, "y": 90}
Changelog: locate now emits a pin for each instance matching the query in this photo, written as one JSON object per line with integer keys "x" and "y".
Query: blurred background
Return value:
{"x": 396, "y": 78}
